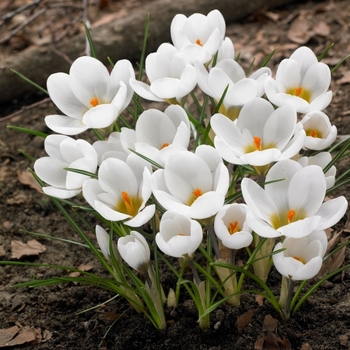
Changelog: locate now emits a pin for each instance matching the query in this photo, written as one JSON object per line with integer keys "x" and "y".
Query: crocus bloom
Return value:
{"x": 111, "y": 148}
{"x": 134, "y": 249}
{"x": 198, "y": 36}
{"x": 302, "y": 258}
{"x": 292, "y": 204}
{"x": 170, "y": 74}
{"x": 228, "y": 74}
{"x": 121, "y": 191}
{"x": 320, "y": 133}
{"x": 158, "y": 135}
{"x": 89, "y": 96}
{"x": 302, "y": 82}
{"x": 321, "y": 159}
{"x": 193, "y": 184}
{"x": 231, "y": 227}
{"x": 65, "y": 152}
{"x": 260, "y": 135}
{"x": 178, "y": 236}
{"x": 103, "y": 241}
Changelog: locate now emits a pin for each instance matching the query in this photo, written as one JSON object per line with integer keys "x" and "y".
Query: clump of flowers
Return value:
{"x": 251, "y": 175}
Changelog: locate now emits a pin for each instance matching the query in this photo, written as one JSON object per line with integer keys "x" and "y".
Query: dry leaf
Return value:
{"x": 322, "y": 28}
{"x": 306, "y": 346}
{"x": 26, "y": 178}
{"x": 7, "y": 334}
{"x": 20, "y": 249}
{"x": 82, "y": 267}
{"x": 299, "y": 31}
{"x": 259, "y": 299}
{"x": 345, "y": 79}
{"x": 344, "y": 339}
{"x": 270, "y": 323}
{"x": 244, "y": 320}
{"x": 2, "y": 250}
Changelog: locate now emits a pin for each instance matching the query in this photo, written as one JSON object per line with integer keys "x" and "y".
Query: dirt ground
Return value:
{"x": 53, "y": 313}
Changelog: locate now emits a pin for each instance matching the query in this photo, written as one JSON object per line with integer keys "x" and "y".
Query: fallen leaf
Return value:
{"x": 26, "y": 178}
{"x": 344, "y": 339}
{"x": 82, "y": 267}
{"x": 2, "y": 250}
{"x": 7, "y": 334}
{"x": 270, "y": 323}
{"x": 259, "y": 299}
{"x": 322, "y": 28}
{"x": 345, "y": 79}
{"x": 306, "y": 346}
{"x": 31, "y": 248}
{"x": 244, "y": 320}
{"x": 300, "y": 31}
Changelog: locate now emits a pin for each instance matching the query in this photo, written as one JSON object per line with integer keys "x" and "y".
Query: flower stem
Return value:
{"x": 287, "y": 290}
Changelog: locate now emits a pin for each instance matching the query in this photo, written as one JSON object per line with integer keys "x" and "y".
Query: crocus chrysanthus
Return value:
{"x": 65, "y": 152}
{"x": 301, "y": 81}
{"x": 157, "y": 134}
{"x": 320, "y": 133}
{"x": 198, "y": 36}
{"x": 103, "y": 241}
{"x": 193, "y": 184}
{"x": 89, "y": 96}
{"x": 292, "y": 203}
{"x": 134, "y": 249}
{"x": 231, "y": 227}
{"x": 260, "y": 135}
{"x": 170, "y": 74}
{"x": 121, "y": 191}
{"x": 178, "y": 236}
{"x": 301, "y": 258}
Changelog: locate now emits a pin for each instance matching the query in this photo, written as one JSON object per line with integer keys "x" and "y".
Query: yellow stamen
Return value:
{"x": 313, "y": 133}
{"x": 94, "y": 102}
{"x": 290, "y": 215}
{"x": 198, "y": 42}
{"x": 164, "y": 145}
{"x": 257, "y": 143}
{"x": 180, "y": 234}
{"x": 197, "y": 192}
{"x": 233, "y": 227}
{"x": 299, "y": 259}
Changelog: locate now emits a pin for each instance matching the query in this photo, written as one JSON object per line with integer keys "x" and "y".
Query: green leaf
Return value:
{"x": 31, "y": 82}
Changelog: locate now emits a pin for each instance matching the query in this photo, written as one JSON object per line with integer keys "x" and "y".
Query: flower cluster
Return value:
{"x": 249, "y": 174}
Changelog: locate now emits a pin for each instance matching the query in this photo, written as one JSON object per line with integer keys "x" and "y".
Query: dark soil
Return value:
{"x": 323, "y": 322}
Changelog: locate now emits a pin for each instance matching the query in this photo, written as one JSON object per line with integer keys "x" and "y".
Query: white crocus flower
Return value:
{"x": 89, "y": 96}
{"x": 301, "y": 258}
{"x": 260, "y": 135}
{"x": 321, "y": 159}
{"x": 320, "y": 133}
{"x": 65, "y": 152}
{"x": 193, "y": 184}
{"x": 291, "y": 204}
{"x": 134, "y": 249}
{"x": 111, "y": 148}
{"x": 158, "y": 135}
{"x": 228, "y": 74}
{"x": 198, "y": 36}
{"x": 178, "y": 235}
{"x": 103, "y": 241}
{"x": 121, "y": 191}
{"x": 231, "y": 227}
{"x": 170, "y": 74}
{"x": 301, "y": 81}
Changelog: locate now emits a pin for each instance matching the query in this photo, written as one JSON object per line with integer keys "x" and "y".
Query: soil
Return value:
{"x": 323, "y": 322}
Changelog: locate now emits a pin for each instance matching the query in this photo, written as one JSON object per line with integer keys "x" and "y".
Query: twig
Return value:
{"x": 25, "y": 108}
{"x": 62, "y": 54}
{"x": 9, "y": 15}
{"x": 16, "y": 30}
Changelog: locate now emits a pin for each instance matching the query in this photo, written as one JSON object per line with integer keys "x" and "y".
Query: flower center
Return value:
{"x": 313, "y": 133}
{"x": 233, "y": 227}
{"x": 164, "y": 145}
{"x": 305, "y": 94}
{"x": 198, "y": 42}
{"x": 290, "y": 215}
{"x": 278, "y": 220}
{"x": 128, "y": 205}
{"x": 299, "y": 259}
{"x": 94, "y": 102}
{"x": 257, "y": 143}
{"x": 194, "y": 195}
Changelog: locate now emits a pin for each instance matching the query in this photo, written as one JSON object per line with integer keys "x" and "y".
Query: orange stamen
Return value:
{"x": 198, "y": 42}
{"x": 257, "y": 143}
{"x": 298, "y": 91}
{"x": 290, "y": 215}
{"x": 164, "y": 145}
{"x": 313, "y": 133}
{"x": 128, "y": 203}
{"x": 233, "y": 227}
{"x": 94, "y": 102}
{"x": 197, "y": 192}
